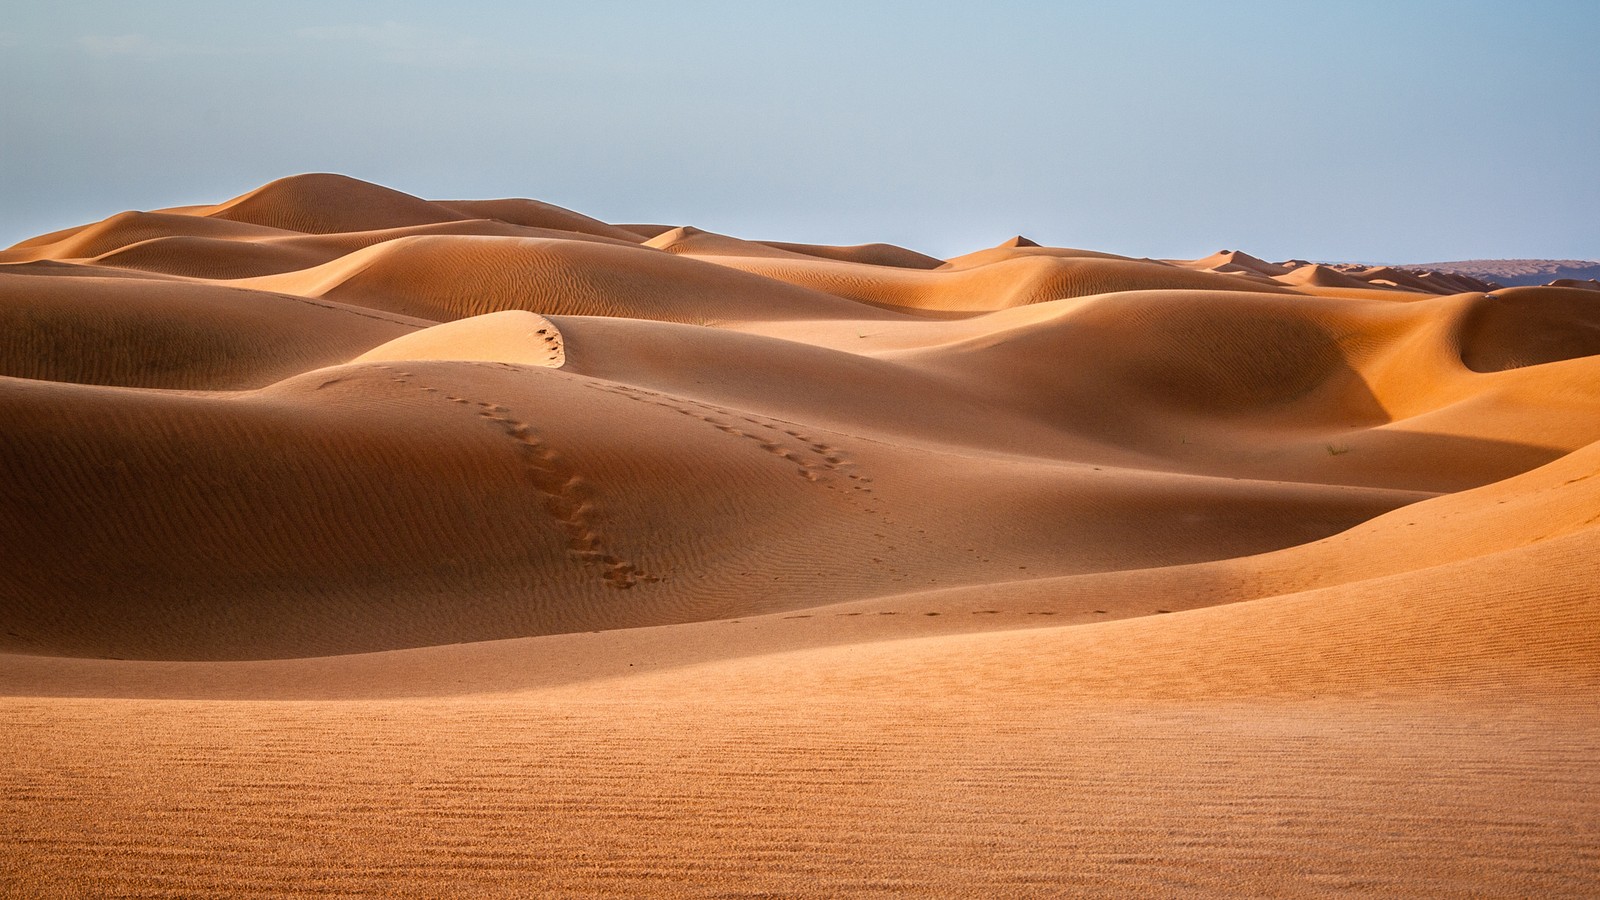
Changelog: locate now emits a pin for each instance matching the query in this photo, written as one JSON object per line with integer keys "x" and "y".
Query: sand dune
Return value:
{"x": 132, "y": 227}
{"x": 1019, "y": 246}
{"x": 497, "y": 549}
{"x": 537, "y": 214}
{"x": 1587, "y": 284}
{"x": 691, "y": 241}
{"x": 324, "y": 204}
{"x": 1016, "y": 280}
{"x": 871, "y": 254}
{"x": 568, "y": 491}
{"x": 1517, "y": 327}
{"x": 136, "y": 332}
{"x": 1312, "y": 275}
{"x": 1342, "y": 276}
{"x": 1235, "y": 261}
{"x": 449, "y": 277}
{"x": 213, "y": 259}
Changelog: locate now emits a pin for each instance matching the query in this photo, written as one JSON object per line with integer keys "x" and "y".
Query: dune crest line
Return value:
{"x": 491, "y": 545}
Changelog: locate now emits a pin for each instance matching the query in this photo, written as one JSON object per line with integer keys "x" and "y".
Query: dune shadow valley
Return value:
{"x": 356, "y": 544}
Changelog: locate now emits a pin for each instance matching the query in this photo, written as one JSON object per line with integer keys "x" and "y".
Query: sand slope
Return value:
{"x": 501, "y": 550}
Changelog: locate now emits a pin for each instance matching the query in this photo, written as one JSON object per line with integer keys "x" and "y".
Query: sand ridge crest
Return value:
{"x": 518, "y": 547}
{"x": 1112, "y": 408}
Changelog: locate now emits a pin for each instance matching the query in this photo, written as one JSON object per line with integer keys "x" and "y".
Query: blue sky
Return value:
{"x": 1396, "y": 131}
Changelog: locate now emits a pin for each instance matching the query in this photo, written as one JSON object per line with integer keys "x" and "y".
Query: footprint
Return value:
{"x": 566, "y": 493}
{"x": 813, "y": 471}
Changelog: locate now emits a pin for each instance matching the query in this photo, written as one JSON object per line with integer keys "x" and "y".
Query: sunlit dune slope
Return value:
{"x": 143, "y": 332}
{"x": 871, "y": 254}
{"x": 1364, "y": 612}
{"x": 355, "y": 508}
{"x": 133, "y": 227}
{"x": 455, "y": 421}
{"x": 1008, "y": 282}
{"x": 362, "y": 544}
{"x": 512, "y": 336}
{"x": 230, "y": 259}
{"x": 325, "y": 203}
{"x": 448, "y": 277}
{"x": 537, "y": 214}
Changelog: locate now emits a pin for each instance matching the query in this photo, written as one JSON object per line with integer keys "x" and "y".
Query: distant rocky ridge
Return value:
{"x": 1302, "y": 273}
{"x": 1518, "y": 272}
{"x": 1435, "y": 278}
{"x": 1415, "y": 278}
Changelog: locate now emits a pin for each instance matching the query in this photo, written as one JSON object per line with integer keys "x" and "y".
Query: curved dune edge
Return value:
{"x": 362, "y": 544}
{"x": 512, "y": 336}
{"x": 1317, "y": 620}
{"x": 554, "y": 500}
{"x": 459, "y": 422}
{"x": 1451, "y": 706}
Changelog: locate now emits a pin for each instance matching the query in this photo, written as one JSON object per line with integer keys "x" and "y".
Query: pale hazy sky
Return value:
{"x": 1386, "y": 131}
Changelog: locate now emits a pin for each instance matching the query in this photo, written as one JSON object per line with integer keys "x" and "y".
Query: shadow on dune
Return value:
{"x": 135, "y": 525}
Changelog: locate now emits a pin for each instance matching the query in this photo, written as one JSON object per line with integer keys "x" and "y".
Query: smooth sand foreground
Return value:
{"x": 360, "y": 544}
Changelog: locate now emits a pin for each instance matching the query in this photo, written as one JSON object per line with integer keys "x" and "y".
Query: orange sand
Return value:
{"x": 361, "y": 544}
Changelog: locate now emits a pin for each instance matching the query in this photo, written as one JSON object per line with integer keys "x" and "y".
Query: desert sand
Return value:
{"x": 365, "y": 545}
